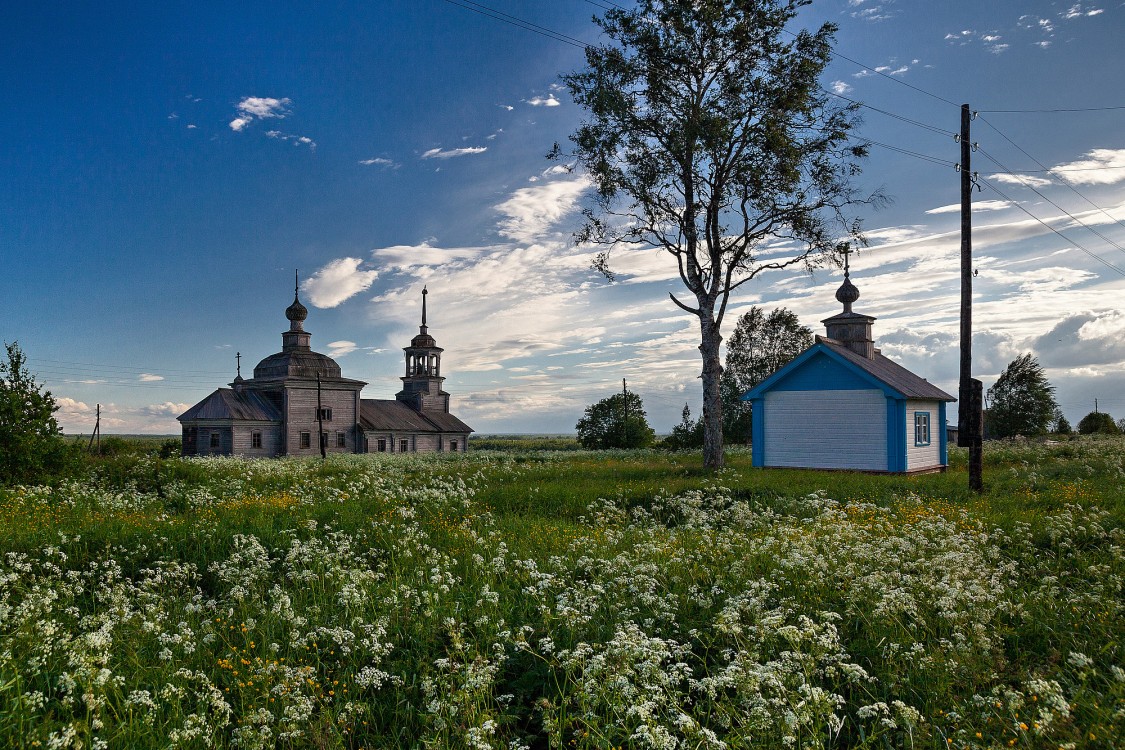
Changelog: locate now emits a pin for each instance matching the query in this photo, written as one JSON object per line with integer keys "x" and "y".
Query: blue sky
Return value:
{"x": 165, "y": 167}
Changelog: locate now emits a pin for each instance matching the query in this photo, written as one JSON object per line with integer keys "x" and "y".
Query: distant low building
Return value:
{"x": 841, "y": 404}
{"x": 298, "y": 401}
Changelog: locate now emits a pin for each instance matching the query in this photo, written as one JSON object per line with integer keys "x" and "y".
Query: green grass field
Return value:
{"x": 520, "y": 597}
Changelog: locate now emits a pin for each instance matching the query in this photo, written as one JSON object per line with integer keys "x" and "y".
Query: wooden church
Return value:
{"x": 298, "y": 403}
{"x": 841, "y": 404}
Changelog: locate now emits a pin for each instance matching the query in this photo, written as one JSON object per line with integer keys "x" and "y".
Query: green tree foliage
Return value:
{"x": 31, "y": 446}
{"x": 708, "y": 135}
{"x": 760, "y": 345}
{"x": 1098, "y": 423}
{"x": 1021, "y": 401}
{"x": 1062, "y": 426}
{"x": 688, "y": 434}
{"x": 605, "y": 424}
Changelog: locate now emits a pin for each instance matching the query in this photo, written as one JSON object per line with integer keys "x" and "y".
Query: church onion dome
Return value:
{"x": 296, "y": 313}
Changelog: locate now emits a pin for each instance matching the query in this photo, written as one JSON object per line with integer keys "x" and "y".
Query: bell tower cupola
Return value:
{"x": 421, "y": 385}
{"x": 851, "y": 329}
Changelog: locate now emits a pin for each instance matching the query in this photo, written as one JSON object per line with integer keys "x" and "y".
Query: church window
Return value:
{"x": 326, "y": 414}
{"x": 214, "y": 440}
{"x": 453, "y": 445}
{"x": 341, "y": 441}
{"x": 382, "y": 445}
{"x": 256, "y": 439}
{"x": 403, "y": 445}
{"x": 306, "y": 439}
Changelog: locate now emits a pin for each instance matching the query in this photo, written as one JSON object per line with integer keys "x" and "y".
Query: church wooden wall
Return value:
{"x": 301, "y": 406}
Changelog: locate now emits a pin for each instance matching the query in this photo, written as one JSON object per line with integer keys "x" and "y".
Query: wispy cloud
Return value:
{"x": 256, "y": 108}
{"x": 338, "y": 281}
{"x": 543, "y": 101}
{"x": 870, "y": 10}
{"x": 1024, "y": 180}
{"x": 893, "y": 68}
{"x": 841, "y": 87}
{"x": 148, "y": 377}
{"x": 438, "y": 153}
{"x": 1102, "y": 166}
{"x": 297, "y": 140}
{"x": 953, "y": 208}
{"x": 379, "y": 161}
{"x": 530, "y": 212}
{"x": 340, "y": 348}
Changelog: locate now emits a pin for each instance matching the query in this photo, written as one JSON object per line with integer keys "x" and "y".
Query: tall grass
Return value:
{"x": 542, "y": 599}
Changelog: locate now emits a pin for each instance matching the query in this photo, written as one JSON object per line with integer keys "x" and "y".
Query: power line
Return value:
{"x": 1092, "y": 254}
{"x": 1038, "y": 111}
{"x": 497, "y": 15}
{"x": 940, "y": 131}
{"x": 1049, "y": 171}
{"x": 915, "y": 154}
{"x": 1033, "y": 189}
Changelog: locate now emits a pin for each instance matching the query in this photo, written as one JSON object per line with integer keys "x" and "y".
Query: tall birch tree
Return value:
{"x": 708, "y": 137}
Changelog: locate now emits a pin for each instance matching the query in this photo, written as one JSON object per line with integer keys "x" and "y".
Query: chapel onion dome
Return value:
{"x": 847, "y": 294}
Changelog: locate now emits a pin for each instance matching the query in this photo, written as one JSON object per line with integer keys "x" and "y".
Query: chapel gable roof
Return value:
{"x": 890, "y": 372}
{"x": 226, "y": 403}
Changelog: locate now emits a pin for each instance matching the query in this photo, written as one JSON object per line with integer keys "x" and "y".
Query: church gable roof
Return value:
{"x": 226, "y": 403}
{"x": 387, "y": 414}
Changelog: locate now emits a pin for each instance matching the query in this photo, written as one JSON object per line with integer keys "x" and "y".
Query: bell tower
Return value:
{"x": 421, "y": 385}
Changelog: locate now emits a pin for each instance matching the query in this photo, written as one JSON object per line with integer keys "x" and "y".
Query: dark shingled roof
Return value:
{"x": 226, "y": 403}
{"x": 386, "y": 414}
{"x": 890, "y": 372}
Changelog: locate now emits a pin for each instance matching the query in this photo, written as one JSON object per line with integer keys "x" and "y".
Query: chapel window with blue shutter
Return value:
{"x": 921, "y": 428}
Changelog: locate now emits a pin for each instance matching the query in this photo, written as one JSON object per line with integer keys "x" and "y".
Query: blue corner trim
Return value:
{"x": 758, "y": 432}
{"x": 942, "y": 437}
{"x": 896, "y": 434}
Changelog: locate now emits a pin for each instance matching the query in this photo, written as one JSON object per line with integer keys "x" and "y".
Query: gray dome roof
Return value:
{"x": 298, "y": 364}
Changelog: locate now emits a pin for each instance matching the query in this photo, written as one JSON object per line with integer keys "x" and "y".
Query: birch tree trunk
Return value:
{"x": 711, "y": 337}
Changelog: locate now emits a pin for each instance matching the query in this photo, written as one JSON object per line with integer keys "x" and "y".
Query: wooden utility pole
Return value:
{"x": 624, "y": 415}
{"x": 970, "y": 410}
{"x": 97, "y": 431}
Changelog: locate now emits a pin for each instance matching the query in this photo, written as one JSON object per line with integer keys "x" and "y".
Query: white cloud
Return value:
{"x": 298, "y": 140}
{"x": 437, "y": 153}
{"x": 257, "y": 107}
{"x": 540, "y": 101}
{"x": 530, "y": 212}
{"x": 379, "y": 161}
{"x": 1102, "y": 166}
{"x": 340, "y": 348}
{"x": 338, "y": 281}
{"x": 840, "y": 87}
{"x": 953, "y": 208}
{"x": 403, "y": 257}
{"x": 148, "y": 377}
{"x": 1023, "y": 180}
